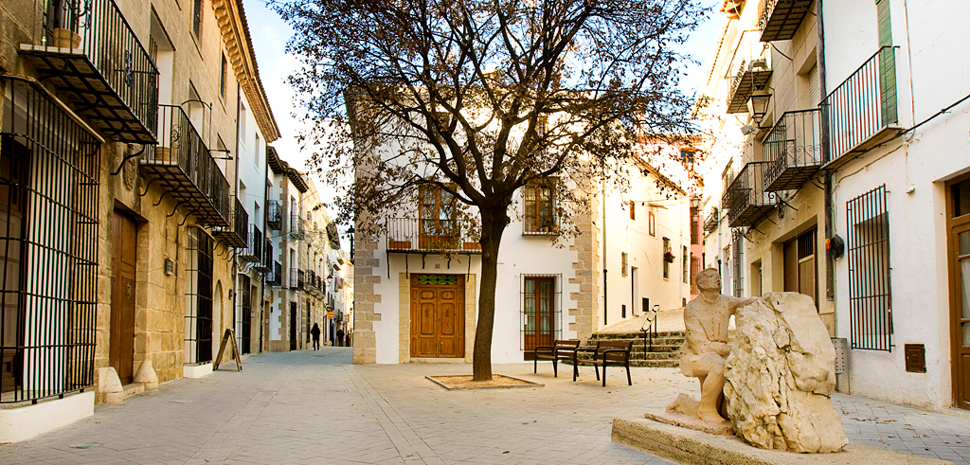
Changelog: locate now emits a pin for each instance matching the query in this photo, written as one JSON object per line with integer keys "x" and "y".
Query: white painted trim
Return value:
{"x": 22, "y": 423}
{"x": 196, "y": 371}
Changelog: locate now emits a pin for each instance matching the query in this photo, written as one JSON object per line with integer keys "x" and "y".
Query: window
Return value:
{"x": 633, "y": 210}
{"x": 439, "y": 226}
{"x": 870, "y": 293}
{"x": 737, "y": 260}
{"x": 198, "y": 298}
{"x": 686, "y": 269}
{"x": 667, "y": 258}
{"x": 652, "y": 224}
{"x": 624, "y": 263}
{"x": 222, "y": 77}
{"x": 539, "y": 213}
{"x": 197, "y": 18}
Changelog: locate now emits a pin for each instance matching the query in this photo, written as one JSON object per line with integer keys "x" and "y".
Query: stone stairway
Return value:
{"x": 665, "y": 351}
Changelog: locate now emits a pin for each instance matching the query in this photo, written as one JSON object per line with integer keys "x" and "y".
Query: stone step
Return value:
{"x": 636, "y": 335}
{"x": 674, "y": 363}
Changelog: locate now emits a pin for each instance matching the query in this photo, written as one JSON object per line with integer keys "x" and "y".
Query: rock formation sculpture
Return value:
{"x": 780, "y": 374}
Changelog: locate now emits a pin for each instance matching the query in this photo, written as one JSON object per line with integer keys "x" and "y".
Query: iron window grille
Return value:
{"x": 274, "y": 215}
{"x": 870, "y": 289}
{"x": 540, "y": 319}
{"x": 49, "y": 174}
{"x": 297, "y": 279}
{"x": 737, "y": 260}
{"x": 198, "y": 298}
{"x": 684, "y": 260}
{"x": 275, "y": 277}
{"x": 244, "y": 315}
{"x": 540, "y": 213}
{"x": 667, "y": 250}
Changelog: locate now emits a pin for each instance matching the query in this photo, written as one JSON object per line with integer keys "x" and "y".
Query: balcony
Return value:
{"x": 238, "y": 234}
{"x": 411, "y": 235}
{"x": 296, "y": 226}
{"x": 297, "y": 279}
{"x": 746, "y": 199}
{"x": 266, "y": 263}
{"x": 253, "y": 252}
{"x": 88, "y": 52}
{"x": 752, "y": 75}
{"x": 862, "y": 111}
{"x": 793, "y": 150}
{"x": 275, "y": 277}
{"x": 182, "y": 166}
{"x": 712, "y": 220}
{"x": 274, "y": 215}
{"x": 780, "y": 19}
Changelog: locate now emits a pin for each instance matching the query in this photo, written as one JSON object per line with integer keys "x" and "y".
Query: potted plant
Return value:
{"x": 668, "y": 257}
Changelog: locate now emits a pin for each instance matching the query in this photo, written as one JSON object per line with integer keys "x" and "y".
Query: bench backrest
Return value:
{"x": 603, "y": 346}
{"x": 567, "y": 344}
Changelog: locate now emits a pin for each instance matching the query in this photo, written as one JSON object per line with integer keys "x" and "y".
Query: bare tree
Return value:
{"x": 481, "y": 98}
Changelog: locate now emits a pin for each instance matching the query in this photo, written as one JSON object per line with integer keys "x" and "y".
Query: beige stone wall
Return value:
{"x": 586, "y": 269}
{"x": 366, "y": 274}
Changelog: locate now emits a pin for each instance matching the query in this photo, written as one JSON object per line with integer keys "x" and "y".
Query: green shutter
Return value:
{"x": 887, "y": 65}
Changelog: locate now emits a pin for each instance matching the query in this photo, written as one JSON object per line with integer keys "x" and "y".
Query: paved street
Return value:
{"x": 315, "y": 407}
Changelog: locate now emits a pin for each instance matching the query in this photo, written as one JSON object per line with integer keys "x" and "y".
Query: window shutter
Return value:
{"x": 813, "y": 86}
{"x": 887, "y": 65}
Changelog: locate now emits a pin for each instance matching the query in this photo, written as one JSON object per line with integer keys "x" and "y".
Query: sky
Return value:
{"x": 270, "y": 33}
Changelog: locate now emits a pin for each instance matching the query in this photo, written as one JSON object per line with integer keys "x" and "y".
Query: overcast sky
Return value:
{"x": 269, "y": 34}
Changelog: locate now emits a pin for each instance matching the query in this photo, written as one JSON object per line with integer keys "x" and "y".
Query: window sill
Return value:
{"x": 540, "y": 233}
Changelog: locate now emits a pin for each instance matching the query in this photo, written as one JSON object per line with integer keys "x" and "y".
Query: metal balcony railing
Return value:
{"x": 296, "y": 225}
{"x": 253, "y": 252}
{"x": 275, "y": 276}
{"x": 752, "y": 75}
{"x": 89, "y": 53}
{"x": 406, "y": 234}
{"x": 793, "y": 149}
{"x": 780, "y": 19}
{"x": 746, "y": 199}
{"x": 274, "y": 215}
{"x": 238, "y": 234}
{"x": 297, "y": 279}
{"x": 862, "y": 111}
{"x": 712, "y": 220}
{"x": 182, "y": 166}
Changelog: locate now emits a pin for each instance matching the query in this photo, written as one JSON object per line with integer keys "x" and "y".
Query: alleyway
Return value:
{"x": 315, "y": 407}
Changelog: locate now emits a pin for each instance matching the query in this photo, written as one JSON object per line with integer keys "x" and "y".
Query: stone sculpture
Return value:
{"x": 703, "y": 355}
{"x": 780, "y": 374}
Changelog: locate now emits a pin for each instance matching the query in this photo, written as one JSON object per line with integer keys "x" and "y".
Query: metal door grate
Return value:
{"x": 870, "y": 292}
{"x": 737, "y": 258}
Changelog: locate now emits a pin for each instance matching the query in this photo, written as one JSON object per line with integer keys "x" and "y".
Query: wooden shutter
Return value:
{"x": 887, "y": 65}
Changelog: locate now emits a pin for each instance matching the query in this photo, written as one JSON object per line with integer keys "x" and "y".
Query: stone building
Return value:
{"x": 120, "y": 142}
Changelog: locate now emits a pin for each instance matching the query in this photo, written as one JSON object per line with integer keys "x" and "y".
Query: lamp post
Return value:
{"x": 758, "y": 105}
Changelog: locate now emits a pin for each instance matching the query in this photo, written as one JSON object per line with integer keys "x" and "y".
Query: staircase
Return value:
{"x": 665, "y": 352}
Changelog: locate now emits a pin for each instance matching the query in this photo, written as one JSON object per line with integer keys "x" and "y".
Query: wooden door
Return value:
{"x": 437, "y": 316}
{"x": 293, "y": 324}
{"x": 958, "y": 247}
{"x": 800, "y": 271}
{"x": 538, "y": 311}
{"x": 122, "y": 344}
{"x": 14, "y": 176}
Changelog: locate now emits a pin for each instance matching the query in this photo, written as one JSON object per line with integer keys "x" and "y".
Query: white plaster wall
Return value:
{"x": 929, "y": 77}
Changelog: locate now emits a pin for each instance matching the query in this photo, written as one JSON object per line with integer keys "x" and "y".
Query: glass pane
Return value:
{"x": 961, "y": 198}
{"x": 966, "y": 334}
{"x": 965, "y": 279}
{"x": 964, "y": 239}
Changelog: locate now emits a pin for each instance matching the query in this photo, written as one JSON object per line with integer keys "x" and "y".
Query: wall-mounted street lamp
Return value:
{"x": 758, "y": 105}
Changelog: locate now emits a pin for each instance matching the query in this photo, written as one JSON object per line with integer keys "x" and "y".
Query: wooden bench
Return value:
{"x": 605, "y": 353}
{"x": 562, "y": 349}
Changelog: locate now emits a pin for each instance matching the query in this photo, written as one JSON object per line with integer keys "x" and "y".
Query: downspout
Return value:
{"x": 262, "y": 281}
{"x": 235, "y": 189}
{"x": 605, "y": 307}
{"x": 826, "y": 175}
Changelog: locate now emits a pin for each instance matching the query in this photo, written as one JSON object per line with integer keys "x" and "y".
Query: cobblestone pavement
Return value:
{"x": 315, "y": 407}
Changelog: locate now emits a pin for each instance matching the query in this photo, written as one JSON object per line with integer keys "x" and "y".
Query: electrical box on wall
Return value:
{"x": 169, "y": 266}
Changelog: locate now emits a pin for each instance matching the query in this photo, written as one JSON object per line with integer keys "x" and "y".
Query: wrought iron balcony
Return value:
{"x": 297, "y": 279}
{"x": 182, "y": 166}
{"x": 793, "y": 150}
{"x": 746, "y": 199}
{"x": 752, "y": 75}
{"x": 712, "y": 220}
{"x": 253, "y": 252}
{"x": 274, "y": 215}
{"x": 275, "y": 277}
{"x": 780, "y": 19}
{"x": 296, "y": 225}
{"x": 411, "y": 235}
{"x": 862, "y": 112}
{"x": 87, "y": 50}
{"x": 236, "y": 235}
{"x": 265, "y": 263}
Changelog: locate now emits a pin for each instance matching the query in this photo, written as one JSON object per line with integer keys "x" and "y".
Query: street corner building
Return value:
{"x": 134, "y": 171}
{"x": 838, "y": 169}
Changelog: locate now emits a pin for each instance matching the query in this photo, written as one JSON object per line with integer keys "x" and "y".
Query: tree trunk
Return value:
{"x": 494, "y": 222}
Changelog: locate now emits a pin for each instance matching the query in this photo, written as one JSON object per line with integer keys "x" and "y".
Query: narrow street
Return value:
{"x": 315, "y": 407}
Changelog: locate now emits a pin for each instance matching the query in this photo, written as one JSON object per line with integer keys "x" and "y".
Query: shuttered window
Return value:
{"x": 887, "y": 64}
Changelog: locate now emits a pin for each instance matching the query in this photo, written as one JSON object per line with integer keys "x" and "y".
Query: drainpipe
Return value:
{"x": 603, "y": 188}
{"x": 235, "y": 188}
{"x": 826, "y": 175}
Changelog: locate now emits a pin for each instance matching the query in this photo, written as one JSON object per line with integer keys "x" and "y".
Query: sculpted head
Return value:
{"x": 708, "y": 280}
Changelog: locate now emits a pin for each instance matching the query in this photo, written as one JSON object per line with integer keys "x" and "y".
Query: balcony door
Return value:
{"x": 958, "y": 224}
{"x": 439, "y": 228}
{"x": 539, "y": 309}
{"x": 437, "y": 316}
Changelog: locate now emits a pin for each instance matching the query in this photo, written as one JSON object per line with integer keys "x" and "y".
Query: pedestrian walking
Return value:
{"x": 315, "y": 332}
{"x": 340, "y": 337}
{"x": 348, "y": 339}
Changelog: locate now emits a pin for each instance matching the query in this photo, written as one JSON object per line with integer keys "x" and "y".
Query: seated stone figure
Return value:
{"x": 705, "y": 350}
